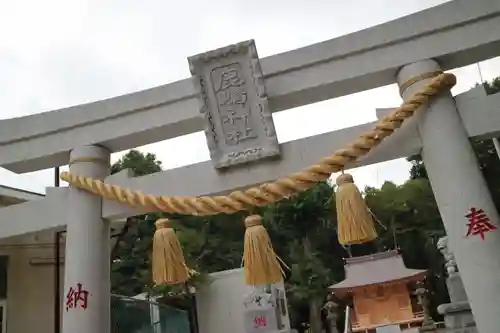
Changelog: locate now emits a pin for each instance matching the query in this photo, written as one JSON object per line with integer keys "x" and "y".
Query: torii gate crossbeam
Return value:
{"x": 22, "y": 219}
{"x": 457, "y": 33}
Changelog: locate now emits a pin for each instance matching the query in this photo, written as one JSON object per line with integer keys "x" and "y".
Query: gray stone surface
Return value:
{"x": 456, "y": 288}
{"x": 424, "y": 329}
{"x": 458, "y": 317}
{"x": 442, "y": 129}
{"x": 454, "y": 281}
{"x": 233, "y": 101}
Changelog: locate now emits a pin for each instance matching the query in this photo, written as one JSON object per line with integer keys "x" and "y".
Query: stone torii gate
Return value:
{"x": 408, "y": 51}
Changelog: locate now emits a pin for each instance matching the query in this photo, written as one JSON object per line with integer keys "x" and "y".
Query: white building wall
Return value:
{"x": 220, "y": 306}
{"x": 30, "y": 274}
{"x": 30, "y": 290}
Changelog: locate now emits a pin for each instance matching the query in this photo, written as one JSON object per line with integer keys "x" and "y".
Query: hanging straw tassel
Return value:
{"x": 261, "y": 264}
{"x": 169, "y": 266}
{"x": 355, "y": 222}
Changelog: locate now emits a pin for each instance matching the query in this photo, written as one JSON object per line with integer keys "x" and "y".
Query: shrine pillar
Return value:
{"x": 86, "y": 306}
{"x": 460, "y": 190}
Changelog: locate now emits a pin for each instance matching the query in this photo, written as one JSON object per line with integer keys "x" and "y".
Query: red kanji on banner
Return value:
{"x": 77, "y": 297}
{"x": 479, "y": 223}
{"x": 259, "y": 321}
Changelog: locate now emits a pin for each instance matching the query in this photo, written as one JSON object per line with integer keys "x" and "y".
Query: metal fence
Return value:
{"x": 131, "y": 315}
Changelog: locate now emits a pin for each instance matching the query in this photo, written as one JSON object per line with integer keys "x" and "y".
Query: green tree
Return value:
{"x": 492, "y": 87}
{"x": 130, "y": 261}
{"x": 215, "y": 243}
{"x": 141, "y": 164}
{"x": 413, "y": 225}
{"x": 131, "y": 267}
{"x": 303, "y": 233}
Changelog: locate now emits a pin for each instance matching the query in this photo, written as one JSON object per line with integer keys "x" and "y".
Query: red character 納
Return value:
{"x": 259, "y": 321}
{"x": 77, "y": 297}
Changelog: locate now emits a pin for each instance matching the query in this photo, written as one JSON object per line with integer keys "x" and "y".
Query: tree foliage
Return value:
{"x": 412, "y": 224}
{"x": 492, "y": 87}
{"x": 131, "y": 262}
{"x": 130, "y": 266}
{"x": 141, "y": 164}
{"x": 304, "y": 235}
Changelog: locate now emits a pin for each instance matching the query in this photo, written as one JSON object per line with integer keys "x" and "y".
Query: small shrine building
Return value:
{"x": 381, "y": 290}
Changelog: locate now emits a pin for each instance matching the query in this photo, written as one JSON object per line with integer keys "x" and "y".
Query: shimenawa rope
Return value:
{"x": 279, "y": 189}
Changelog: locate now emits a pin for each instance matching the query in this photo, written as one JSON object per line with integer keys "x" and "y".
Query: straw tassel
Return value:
{"x": 355, "y": 222}
{"x": 261, "y": 264}
{"x": 169, "y": 266}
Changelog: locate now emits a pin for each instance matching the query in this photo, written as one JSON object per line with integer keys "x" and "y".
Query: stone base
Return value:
{"x": 457, "y": 330}
{"x": 428, "y": 329}
{"x": 456, "y": 288}
{"x": 458, "y": 317}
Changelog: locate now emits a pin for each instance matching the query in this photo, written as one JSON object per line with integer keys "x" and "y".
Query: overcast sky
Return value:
{"x": 58, "y": 53}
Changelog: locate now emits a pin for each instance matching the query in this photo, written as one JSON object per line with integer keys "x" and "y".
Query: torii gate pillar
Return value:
{"x": 458, "y": 186}
{"x": 86, "y": 307}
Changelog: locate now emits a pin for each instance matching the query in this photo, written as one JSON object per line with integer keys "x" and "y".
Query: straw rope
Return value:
{"x": 279, "y": 189}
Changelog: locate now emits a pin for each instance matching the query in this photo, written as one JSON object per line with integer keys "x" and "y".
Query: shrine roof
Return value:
{"x": 376, "y": 269}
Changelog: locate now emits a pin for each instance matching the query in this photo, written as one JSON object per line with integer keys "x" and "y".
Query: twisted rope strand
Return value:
{"x": 279, "y": 189}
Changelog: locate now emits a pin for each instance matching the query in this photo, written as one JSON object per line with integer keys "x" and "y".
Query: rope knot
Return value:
{"x": 344, "y": 178}
{"x": 252, "y": 221}
{"x": 163, "y": 224}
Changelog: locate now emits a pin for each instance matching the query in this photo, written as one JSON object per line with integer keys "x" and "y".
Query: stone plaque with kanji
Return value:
{"x": 233, "y": 101}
